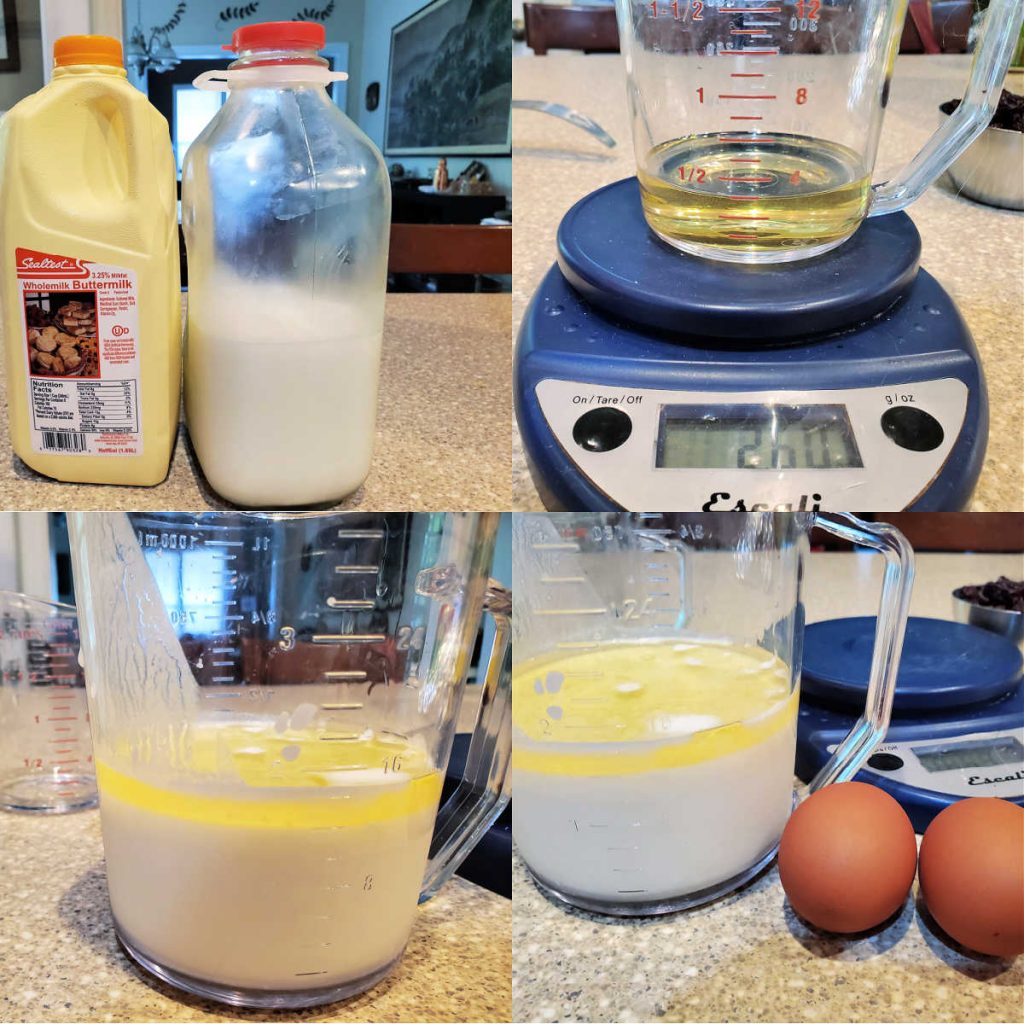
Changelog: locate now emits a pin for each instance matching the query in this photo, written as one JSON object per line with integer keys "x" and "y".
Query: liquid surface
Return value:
{"x": 647, "y": 772}
{"x": 690, "y": 701}
{"x": 280, "y": 862}
{"x": 753, "y": 197}
{"x": 252, "y": 775}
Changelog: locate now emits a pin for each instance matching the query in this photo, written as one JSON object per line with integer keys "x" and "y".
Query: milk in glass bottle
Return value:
{"x": 286, "y": 210}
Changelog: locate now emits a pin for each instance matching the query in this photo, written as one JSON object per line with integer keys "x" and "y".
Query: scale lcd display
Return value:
{"x": 971, "y": 754}
{"x": 756, "y": 437}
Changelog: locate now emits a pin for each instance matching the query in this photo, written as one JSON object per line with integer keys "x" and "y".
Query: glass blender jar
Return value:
{"x": 273, "y": 703}
{"x": 656, "y": 685}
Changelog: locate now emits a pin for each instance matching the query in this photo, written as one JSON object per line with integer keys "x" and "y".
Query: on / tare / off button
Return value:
{"x": 602, "y": 430}
{"x": 913, "y": 429}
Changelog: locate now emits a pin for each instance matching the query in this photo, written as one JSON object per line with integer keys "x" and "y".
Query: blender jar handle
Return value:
{"x": 891, "y": 625}
{"x": 1000, "y": 36}
{"x": 483, "y": 791}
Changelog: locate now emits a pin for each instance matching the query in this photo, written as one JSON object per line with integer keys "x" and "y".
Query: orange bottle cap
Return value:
{"x": 87, "y": 50}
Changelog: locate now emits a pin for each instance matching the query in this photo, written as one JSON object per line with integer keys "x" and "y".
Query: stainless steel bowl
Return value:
{"x": 995, "y": 620}
{"x": 991, "y": 169}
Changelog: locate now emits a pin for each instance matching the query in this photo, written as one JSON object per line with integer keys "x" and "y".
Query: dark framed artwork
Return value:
{"x": 9, "y": 57}
{"x": 450, "y": 80}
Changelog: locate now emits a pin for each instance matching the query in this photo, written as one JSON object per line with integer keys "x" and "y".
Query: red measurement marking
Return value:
{"x": 743, "y": 216}
{"x": 745, "y": 160}
{"x": 69, "y": 760}
{"x": 62, "y": 728}
{"x": 66, "y": 792}
{"x": 746, "y": 117}
{"x": 754, "y": 181}
{"x": 747, "y": 199}
{"x": 63, "y": 740}
{"x": 61, "y": 707}
{"x": 746, "y": 74}
{"x": 741, "y": 238}
{"x": 64, "y": 718}
{"x": 67, "y": 750}
{"x": 744, "y": 96}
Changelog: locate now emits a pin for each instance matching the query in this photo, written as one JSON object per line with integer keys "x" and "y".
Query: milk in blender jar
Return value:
{"x": 273, "y": 698}
{"x": 286, "y": 209}
{"x": 89, "y": 255}
{"x": 656, "y": 689}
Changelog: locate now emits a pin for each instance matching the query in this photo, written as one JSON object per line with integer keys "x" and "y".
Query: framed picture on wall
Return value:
{"x": 9, "y": 58}
{"x": 450, "y": 80}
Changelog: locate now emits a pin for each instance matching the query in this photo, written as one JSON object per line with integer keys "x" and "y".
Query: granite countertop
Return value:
{"x": 60, "y": 960}
{"x": 976, "y": 252}
{"x": 747, "y": 957}
{"x": 429, "y": 456}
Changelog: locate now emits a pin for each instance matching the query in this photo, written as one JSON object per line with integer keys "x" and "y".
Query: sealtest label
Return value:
{"x": 81, "y": 344}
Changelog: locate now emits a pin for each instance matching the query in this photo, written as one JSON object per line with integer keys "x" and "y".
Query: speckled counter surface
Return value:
{"x": 976, "y": 252}
{"x": 60, "y": 960}
{"x": 748, "y": 957}
{"x": 443, "y": 432}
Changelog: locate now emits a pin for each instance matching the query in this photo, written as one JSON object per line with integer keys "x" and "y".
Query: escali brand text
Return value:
{"x": 719, "y": 502}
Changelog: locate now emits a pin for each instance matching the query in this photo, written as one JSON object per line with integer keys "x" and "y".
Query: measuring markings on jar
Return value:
{"x": 350, "y": 604}
{"x": 572, "y": 611}
{"x": 349, "y": 638}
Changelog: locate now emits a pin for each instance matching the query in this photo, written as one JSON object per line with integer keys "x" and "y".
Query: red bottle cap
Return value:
{"x": 278, "y": 35}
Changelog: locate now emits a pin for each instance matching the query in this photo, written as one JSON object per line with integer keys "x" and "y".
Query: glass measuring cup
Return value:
{"x": 45, "y": 752}
{"x": 273, "y": 700}
{"x": 655, "y": 687}
{"x": 756, "y": 122}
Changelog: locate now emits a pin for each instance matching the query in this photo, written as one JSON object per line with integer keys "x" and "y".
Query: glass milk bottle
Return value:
{"x": 286, "y": 210}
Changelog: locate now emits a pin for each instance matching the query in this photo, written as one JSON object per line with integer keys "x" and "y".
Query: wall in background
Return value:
{"x": 380, "y": 19}
{"x": 212, "y": 21}
{"x": 16, "y": 86}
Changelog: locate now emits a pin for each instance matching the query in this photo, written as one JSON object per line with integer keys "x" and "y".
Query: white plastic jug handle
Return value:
{"x": 268, "y": 74}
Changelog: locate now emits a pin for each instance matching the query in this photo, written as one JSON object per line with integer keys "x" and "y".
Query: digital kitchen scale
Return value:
{"x": 957, "y": 727}
{"x": 647, "y": 379}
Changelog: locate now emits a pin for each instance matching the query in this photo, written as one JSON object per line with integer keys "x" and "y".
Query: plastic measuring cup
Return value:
{"x": 274, "y": 699}
{"x": 756, "y": 122}
{"x": 656, "y": 686}
{"x": 45, "y": 753}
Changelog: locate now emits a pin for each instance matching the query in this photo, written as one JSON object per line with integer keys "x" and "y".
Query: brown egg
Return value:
{"x": 972, "y": 874}
{"x": 847, "y": 857}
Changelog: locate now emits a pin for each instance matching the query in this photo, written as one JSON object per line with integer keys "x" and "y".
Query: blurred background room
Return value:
{"x": 429, "y": 82}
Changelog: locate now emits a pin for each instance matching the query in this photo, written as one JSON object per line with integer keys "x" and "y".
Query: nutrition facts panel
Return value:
{"x": 108, "y": 406}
